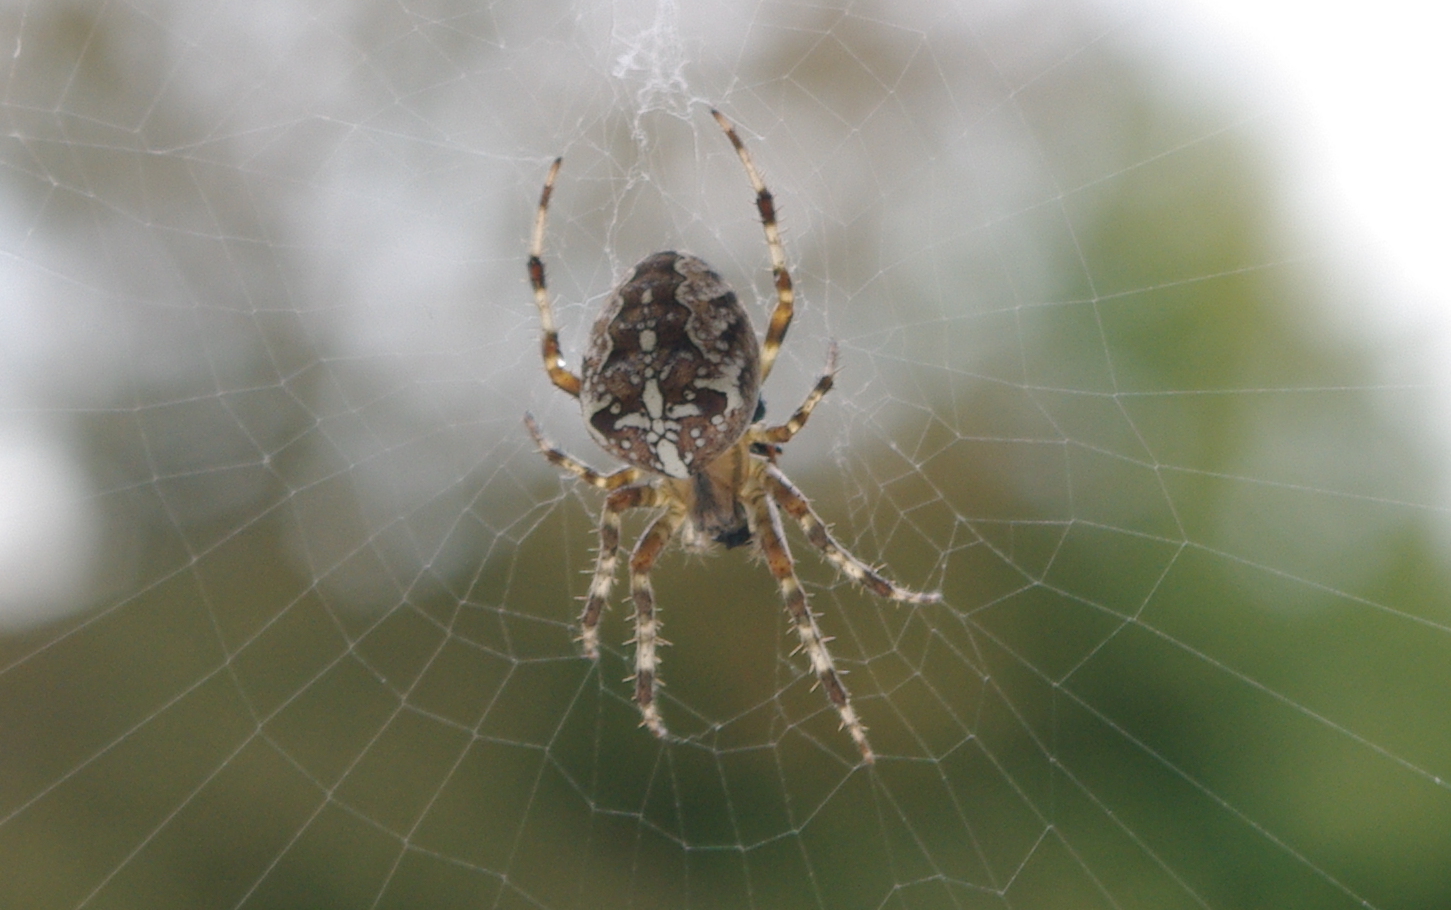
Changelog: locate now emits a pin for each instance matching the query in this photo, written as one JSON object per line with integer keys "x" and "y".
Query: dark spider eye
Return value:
{"x": 760, "y": 414}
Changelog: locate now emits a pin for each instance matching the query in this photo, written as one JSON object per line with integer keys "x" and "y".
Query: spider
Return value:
{"x": 671, "y": 385}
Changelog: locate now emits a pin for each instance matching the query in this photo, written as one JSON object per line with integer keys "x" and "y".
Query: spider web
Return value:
{"x": 289, "y": 596}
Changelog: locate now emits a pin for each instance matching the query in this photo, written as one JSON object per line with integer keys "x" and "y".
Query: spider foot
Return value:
{"x": 650, "y": 719}
{"x": 858, "y": 732}
{"x": 534, "y": 430}
{"x": 920, "y": 597}
{"x": 589, "y": 643}
{"x": 645, "y": 688}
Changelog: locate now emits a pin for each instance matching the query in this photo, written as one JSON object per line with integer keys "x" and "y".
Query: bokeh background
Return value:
{"x": 286, "y": 595}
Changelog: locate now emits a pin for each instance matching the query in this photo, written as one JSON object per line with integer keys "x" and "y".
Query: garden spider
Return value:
{"x": 671, "y": 385}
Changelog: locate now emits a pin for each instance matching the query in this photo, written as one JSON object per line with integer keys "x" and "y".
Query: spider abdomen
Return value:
{"x": 671, "y": 377}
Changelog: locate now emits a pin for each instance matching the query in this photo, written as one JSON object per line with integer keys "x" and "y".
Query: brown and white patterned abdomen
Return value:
{"x": 672, "y": 373}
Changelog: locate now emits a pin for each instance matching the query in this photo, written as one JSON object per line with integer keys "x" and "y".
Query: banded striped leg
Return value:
{"x": 561, "y": 459}
{"x": 783, "y": 433}
{"x": 647, "y": 627}
{"x": 767, "y": 528}
{"x": 553, "y": 360}
{"x": 765, "y": 204}
{"x": 616, "y": 504}
{"x": 799, "y": 508}
{"x": 622, "y": 498}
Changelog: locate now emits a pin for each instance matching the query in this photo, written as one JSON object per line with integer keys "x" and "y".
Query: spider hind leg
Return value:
{"x": 618, "y": 502}
{"x": 813, "y": 643}
{"x": 783, "y": 491}
{"x": 647, "y": 625}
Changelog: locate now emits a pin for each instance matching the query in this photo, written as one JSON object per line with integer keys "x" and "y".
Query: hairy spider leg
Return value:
{"x": 562, "y": 459}
{"x": 616, "y": 504}
{"x": 765, "y": 204}
{"x": 798, "y": 507}
{"x": 780, "y": 435}
{"x": 647, "y": 626}
{"x": 813, "y": 643}
{"x": 622, "y": 498}
{"x": 553, "y": 359}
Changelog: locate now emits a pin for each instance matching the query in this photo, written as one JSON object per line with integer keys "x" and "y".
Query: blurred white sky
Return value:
{"x": 1371, "y": 81}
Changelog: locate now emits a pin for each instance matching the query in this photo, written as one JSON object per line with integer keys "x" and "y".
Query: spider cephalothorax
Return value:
{"x": 671, "y": 385}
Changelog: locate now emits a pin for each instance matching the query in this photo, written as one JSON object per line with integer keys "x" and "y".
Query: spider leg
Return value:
{"x": 785, "y": 297}
{"x": 782, "y": 434}
{"x": 799, "y": 508}
{"x": 561, "y": 459}
{"x": 647, "y": 627}
{"x": 772, "y": 542}
{"x": 553, "y": 360}
{"x": 616, "y": 504}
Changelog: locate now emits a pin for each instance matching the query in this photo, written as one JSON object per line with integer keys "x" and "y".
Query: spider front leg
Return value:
{"x": 766, "y": 206}
{"x": 772, "y": 542}
{"x": 559, "y": 374}
{"x": 799, "y": 508}
{"x": 647, "y": 627}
